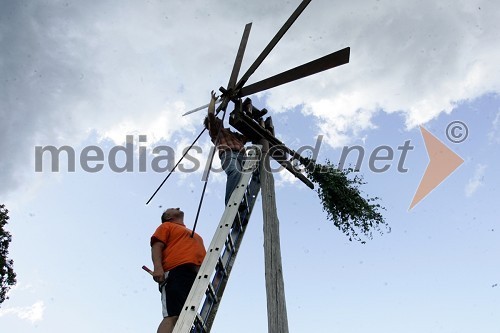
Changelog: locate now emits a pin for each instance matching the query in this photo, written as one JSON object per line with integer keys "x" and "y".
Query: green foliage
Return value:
{"x": 357, "y": 217}
{"x": 7, "y": 275}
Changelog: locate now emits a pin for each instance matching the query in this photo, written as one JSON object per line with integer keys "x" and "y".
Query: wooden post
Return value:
{"x": 277, "y": 320}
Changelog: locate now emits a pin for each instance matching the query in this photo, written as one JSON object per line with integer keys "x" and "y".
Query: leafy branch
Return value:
{"x": 357, "y": 217}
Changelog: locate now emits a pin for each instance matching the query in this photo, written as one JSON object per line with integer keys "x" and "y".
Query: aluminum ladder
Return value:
{"x": 214, "y": 272}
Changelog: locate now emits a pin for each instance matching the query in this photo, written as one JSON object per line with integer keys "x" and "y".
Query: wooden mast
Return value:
{"x": 277, "y": 320}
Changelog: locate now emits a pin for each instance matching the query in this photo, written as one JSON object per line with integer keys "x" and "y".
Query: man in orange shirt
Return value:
{"x": 177, "y": 258}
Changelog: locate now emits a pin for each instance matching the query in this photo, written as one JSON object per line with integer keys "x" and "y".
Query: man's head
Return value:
{"x": 175, "y": 215}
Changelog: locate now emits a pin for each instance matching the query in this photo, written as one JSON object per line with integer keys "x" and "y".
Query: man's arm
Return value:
{"x": 212, "y": 122}
{"x": 211, "y": 105}
{"x": 156, "y": 255}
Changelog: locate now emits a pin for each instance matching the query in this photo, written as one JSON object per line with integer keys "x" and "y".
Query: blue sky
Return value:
{"x": 89, "y": 74}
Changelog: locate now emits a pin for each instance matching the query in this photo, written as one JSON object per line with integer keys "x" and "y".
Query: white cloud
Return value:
{"x": 71, "y": 69}
{"x": 284, "y": 177}
{"x": 417, "y": 58}
{"x": 476, "y": 181}
{"x": 494, "y": 133}
{"x": 33, "y": 313}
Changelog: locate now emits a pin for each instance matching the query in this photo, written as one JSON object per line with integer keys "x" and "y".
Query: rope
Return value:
{"x": 175, "y": 166}
{"x": 208, "y": 172}
{"x": 222, "y": 106}
{"x": 219, "y": 108}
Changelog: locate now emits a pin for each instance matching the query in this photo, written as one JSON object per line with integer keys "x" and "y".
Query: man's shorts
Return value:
{"x": 176, "y": 289}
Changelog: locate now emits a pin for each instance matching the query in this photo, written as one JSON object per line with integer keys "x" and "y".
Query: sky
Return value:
{"x": 87, "y": 74}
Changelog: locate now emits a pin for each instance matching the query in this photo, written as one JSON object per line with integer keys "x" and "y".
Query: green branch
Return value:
{"x": 357, "y": 217}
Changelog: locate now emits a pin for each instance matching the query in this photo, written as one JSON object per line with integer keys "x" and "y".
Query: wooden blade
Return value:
{"x": 236, "y": 66}
{"x": 239, "y": 57}
{"x": 272, "y": 43}
{"x": 332, "y": 60}
{"x": 200, "y": 108}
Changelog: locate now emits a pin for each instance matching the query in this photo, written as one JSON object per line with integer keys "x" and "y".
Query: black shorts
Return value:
{"x": 176, "y": 289}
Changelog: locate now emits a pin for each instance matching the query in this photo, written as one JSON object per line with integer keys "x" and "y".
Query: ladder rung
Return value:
{"x": 237, "y": 232}
{"x": 244, "y": 219}
{"x": 226, "y": 256}
{"x": 200, "y": 323}
{"x": 237, "y": 222}
{"x": 229, "y": 242}
{"x": 211, "y": 291}
{"x": 221, "y": 267}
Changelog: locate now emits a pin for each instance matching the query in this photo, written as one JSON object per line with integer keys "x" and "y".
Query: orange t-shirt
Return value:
{"x": 180, "y": 248}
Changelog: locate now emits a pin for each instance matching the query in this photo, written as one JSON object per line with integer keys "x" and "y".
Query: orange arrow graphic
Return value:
{"x": 442, "y": 163}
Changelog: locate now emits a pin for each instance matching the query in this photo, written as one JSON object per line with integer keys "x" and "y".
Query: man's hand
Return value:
{"x": 211, "y": 105}
{"x": 156, "y": 255}
{"x": 159, "y": 275}
{"x": 214, "y": 96}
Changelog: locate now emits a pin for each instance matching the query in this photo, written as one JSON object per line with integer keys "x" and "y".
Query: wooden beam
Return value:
{"x": 334, "y": 59}
{"x": 277, "y": 320}
{"x": 239, "y": 57}
{"x": 255, "y": 132}
{"x": 272, "y": 44}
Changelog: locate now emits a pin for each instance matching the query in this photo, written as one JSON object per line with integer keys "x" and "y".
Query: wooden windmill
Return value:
{"x": 214, "y": 272}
